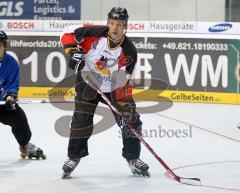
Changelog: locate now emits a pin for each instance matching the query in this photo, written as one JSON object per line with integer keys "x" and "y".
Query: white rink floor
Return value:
{"x": 210, "y": 150}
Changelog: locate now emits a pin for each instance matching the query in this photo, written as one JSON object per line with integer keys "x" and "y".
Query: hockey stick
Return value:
{"x": 39, "y": 101}
{"x": 188, "y": 181}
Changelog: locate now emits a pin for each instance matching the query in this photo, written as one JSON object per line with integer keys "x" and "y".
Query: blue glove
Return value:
{"x": 77, "y": 60}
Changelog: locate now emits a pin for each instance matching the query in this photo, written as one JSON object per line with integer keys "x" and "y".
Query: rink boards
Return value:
{"x": 176, "y": 67}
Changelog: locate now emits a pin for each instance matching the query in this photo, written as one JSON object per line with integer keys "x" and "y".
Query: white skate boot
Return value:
{"x": 69, "y": 166}
{"x": 138, "y": 167}
{"x": 30, "y": 150}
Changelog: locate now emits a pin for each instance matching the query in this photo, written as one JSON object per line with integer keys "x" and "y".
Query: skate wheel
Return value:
{"x": 141, "y": 173}
{"x": 44, "y": 156}
{"x": 23, "y": 155}
{"x": 147, "y": 174}
{"x": 29, "y": 156}
{"x": 66, "y": 175}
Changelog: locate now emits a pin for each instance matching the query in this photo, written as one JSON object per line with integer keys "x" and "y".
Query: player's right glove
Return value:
{"x": 11, "y": 102}
{"x": 128, "y": 113}
{"x": 77, "y": 60}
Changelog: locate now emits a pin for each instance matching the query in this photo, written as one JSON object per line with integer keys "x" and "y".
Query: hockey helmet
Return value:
{"x": 3, "y": 37}
{"x": 118, "y": 13}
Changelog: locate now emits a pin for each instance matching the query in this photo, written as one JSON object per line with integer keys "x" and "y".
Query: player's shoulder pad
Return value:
{"x": 11, "y": 60}
{"x": 91, "y": 31}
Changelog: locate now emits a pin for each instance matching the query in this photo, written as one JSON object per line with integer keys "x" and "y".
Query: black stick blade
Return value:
{"x": 191, "y": 181}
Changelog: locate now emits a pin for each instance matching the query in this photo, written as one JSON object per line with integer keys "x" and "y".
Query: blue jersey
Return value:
{"x": 9, "y": 76}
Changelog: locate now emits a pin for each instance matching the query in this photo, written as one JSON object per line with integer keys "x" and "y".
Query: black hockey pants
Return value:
{"x": 86, "y": 102}
{"x": 18, "y": 121}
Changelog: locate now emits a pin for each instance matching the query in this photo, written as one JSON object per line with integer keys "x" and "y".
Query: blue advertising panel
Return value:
{"x": 40, "y": 9}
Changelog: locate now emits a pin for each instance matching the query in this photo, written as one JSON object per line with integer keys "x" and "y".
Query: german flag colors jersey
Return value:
{"x": 111, "y": 65}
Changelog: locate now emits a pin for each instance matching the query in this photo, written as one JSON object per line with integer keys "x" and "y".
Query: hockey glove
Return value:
{"x": 128, "y": 113}
{"x": 11, "y": 102}
{"x": 77, "y": 60}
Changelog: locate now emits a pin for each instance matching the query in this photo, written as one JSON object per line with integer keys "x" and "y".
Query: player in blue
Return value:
{"x": 10, "y": 113}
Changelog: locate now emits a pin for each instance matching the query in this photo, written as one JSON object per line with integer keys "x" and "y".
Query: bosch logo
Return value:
{"x": 220, "y": 27}
{"x": 11, "y": 8}
{"x": 136, "y": 26}
{"x": 20, "y": 25}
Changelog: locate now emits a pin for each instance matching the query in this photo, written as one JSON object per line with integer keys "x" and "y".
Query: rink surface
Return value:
{"x": 209, "y": 150}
